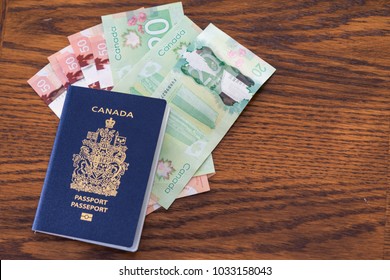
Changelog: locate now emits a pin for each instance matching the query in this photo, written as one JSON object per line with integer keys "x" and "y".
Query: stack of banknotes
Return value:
{"x": 206, "y": 77}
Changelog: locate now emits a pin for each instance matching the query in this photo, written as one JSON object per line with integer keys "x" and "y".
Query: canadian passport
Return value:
{"x": 102, "y": 167}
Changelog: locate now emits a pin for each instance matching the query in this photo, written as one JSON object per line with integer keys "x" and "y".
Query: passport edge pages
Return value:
{"x": 39, "y": 223}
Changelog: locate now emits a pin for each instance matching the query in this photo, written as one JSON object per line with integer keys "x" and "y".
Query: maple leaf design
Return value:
{"x": 85, "y": 60}
{"x": 164, "y": 169}
{"x": 94, "y": 85}
{"x": 181, "y": 49}
{"x": 74, "y": 76}
{"x": 131, "y": 39}
{"x": 108, "y": 88}
{"x": 48, "y": 98}
{"x": 100, "y": 63}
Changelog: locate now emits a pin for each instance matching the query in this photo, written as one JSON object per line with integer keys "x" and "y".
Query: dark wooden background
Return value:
{"x": 303, "y": 173}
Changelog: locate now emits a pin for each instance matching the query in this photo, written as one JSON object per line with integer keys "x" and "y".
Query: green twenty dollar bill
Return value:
{"x": 130, "y": 35}
{"x": 207, "y": 90}
{"x": 149, "y": 73}
{"x": 207, "y": 85}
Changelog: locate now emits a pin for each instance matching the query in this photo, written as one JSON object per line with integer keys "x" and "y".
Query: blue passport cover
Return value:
{"x": 102, "y": 167}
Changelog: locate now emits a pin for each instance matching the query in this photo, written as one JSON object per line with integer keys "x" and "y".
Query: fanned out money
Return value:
{"x": 206, "y": 77}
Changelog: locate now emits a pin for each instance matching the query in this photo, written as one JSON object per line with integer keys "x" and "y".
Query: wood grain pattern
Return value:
{"x": 303, "y": 173}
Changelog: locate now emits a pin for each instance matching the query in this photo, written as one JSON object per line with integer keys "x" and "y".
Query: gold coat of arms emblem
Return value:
{"x": 101, "y": 162}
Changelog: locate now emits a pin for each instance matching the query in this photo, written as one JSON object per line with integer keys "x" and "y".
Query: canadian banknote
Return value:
{"x": 65, "y": 61}
{"x": 83, "y": 51}
{"x": 196, "y": 185}
{"x": 207, "y": 89}
{"x": 102, "y": 63}
{"x": 49, "y": 87}
{"x": 130, "y": 35}
{"x": 145, "y": 77}
{"x": 66, "y": 67}
{"x": 55, "y": 65}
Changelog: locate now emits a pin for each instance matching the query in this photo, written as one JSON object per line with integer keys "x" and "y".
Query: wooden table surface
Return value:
{"x": 302, "y": 174}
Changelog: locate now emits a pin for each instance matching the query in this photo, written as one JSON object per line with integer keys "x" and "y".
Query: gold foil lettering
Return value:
{"x": 114, "y": 112}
